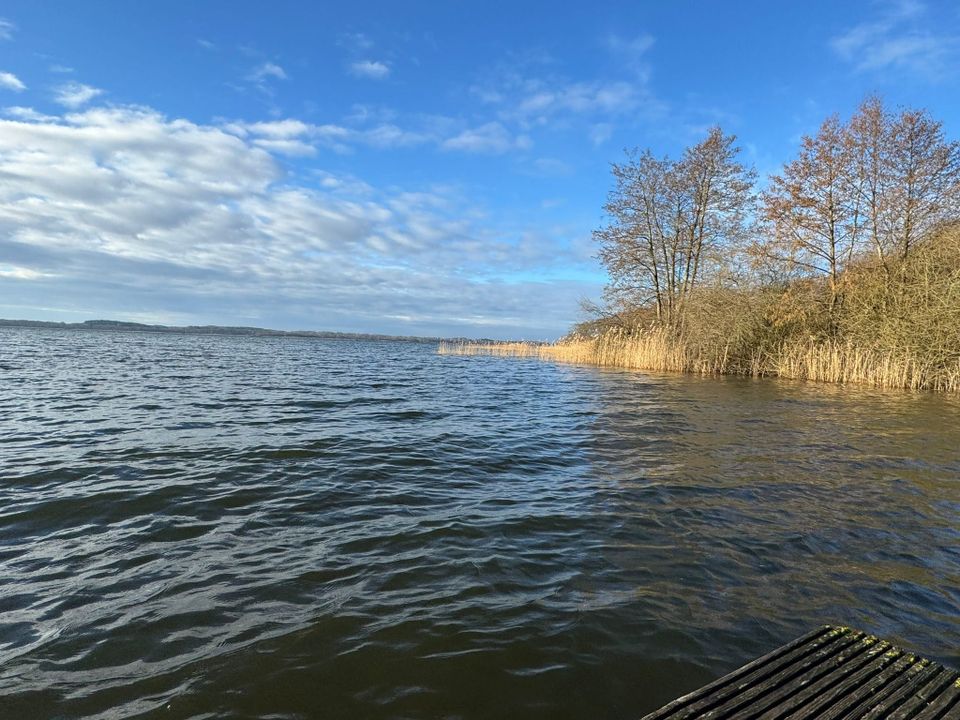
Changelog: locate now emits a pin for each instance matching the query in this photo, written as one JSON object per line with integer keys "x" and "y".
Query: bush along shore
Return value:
{"x": 844, "y": 268}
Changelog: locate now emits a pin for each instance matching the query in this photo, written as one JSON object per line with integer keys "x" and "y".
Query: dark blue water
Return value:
{"x": 228, "y": 527}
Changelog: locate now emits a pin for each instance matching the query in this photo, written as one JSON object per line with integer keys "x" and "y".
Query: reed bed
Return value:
{"x": 659, "y": 351}
{"x": 845, "y": 363}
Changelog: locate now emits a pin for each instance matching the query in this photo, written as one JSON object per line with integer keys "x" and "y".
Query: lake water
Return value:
{"x": 229, "y": 527}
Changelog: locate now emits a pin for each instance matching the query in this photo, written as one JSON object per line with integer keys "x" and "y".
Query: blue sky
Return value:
{"x": 419, "y": 167}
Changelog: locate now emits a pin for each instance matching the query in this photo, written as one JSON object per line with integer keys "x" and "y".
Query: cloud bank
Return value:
{"x": 122, "y": 207}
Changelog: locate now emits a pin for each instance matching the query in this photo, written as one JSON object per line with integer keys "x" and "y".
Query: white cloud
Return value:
{"x": 265, "y": 71}
{"x": 391, "y": 136}
{"x": 600, "y": 133}
{"x": 20, "y": 273}
{"x": 632, "y": 52}
{"x": 533, "y": 100}
{"x": 128, "y": 208}
{"x": 295, "y": 137}
{"x": 26, "y": 113}
{"x": 372, "y": 69}
{"x": 74, "y": 95}
{"x": 7, "y": 29}
{"x": 602, "y": 98}
{"x": 489, "y": 138}
{"x": 902, "y": 37}
{"x": 356, "y": 41}
{"x": 263, "y": 77}
{"x": 278, "y": 129}
{"x": 10, "y": 81}
{"x": 61, "y": 69}
{"x": 295, "y": 148}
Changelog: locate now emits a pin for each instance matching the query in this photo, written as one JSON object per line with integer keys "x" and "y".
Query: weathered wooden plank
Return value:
{"x": 828, "y": 674}
{"x": 837, "y": 683}
{"x": 890, "y": 703}
{"x": 783, "y": 688}
{"x": 795, "y": 648}
{"x": 792, "y": 671}
{"x": 739, "y": 692}
{"x": 868, "y": 680}
{"x": 886, "y": 683}
{"x": 922, "y": 697}
{"x": 946, "y": 706}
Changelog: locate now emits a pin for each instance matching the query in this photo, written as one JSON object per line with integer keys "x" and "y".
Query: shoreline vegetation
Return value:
{"x": 656, "y": 351}
{"x": 844, "y": 267}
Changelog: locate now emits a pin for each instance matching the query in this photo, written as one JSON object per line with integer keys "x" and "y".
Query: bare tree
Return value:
{"x": 671, "y": 223}
{"x": 815, "y": 223}
{"x": 904, "y": 174}
{"x": 879, "y": 182}
{"x": 924, "y": 177}
{"x": 867, "y": 180}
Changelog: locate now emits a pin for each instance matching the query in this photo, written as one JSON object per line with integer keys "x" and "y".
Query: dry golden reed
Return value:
{"x": 653, "y": 350}
{"x": 659, "y": 351}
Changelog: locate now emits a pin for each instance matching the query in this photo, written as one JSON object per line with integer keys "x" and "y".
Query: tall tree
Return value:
{"x": 904, "y": 173}
{"x": 877, "y": 183}
{"x": 924, "y": 172}
{"x": 867, "y": 178}
{"x": 815, "y": 223}
{"x": 671, "y": 221}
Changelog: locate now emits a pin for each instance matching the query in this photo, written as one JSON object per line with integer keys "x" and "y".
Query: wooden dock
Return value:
{"x": 833, "y": 673}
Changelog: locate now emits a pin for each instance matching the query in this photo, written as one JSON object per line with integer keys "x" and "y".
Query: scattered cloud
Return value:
{"x": 267, "y": 70}
{"x": 74, "y": 95}
{"x": 491, "y": 138}
{"x": 634, "y": 47}
{"x": 604, "y": 98}
{"x": 9, "y": 81}
{"x": 357, "y": 41}
{"x": 391, "y": 136}
{"x": 372, "y": 69}
{"x": 262, "y": 76}
{"x": 902, "y": 37}
{"x": 600, "y": 133}
{"x": 276, "y": 129}
{"x": 206, "y": 44}
{"x": 200, "y": 221}
{"x": 632, "y": 52}
{"x": 536, "y": 100}
{"x": 295, "y": 137}
{"x": 293, "y": 148}
{"x": 7, "y": 29}
{"x": 61, "y": 69}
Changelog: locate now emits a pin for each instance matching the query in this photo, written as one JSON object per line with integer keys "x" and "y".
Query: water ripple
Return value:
{"x": 231, "y": 527}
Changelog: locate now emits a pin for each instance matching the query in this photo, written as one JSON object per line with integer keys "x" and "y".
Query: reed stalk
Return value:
{"x": 660, "y": 351}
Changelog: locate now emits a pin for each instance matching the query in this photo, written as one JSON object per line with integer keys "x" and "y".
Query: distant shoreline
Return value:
{"x": 122, "y": 326}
